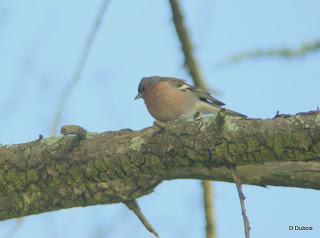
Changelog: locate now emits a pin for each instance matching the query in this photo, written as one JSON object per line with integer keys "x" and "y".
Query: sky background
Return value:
{"x": 40, "y": 45}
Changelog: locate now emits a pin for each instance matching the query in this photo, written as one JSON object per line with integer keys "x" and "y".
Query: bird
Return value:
{"x": 169, "y": 99}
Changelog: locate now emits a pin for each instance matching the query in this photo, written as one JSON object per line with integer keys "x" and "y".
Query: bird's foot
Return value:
{"x": 160, "y": 125}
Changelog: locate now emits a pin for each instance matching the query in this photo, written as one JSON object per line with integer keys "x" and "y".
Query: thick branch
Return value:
{"x": 112, "y": 167}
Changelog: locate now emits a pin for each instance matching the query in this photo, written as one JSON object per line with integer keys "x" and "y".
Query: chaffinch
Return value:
{"x": 168, "y": 99}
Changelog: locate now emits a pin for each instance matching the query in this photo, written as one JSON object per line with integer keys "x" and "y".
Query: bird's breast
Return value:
{"x": 166, "y": 104}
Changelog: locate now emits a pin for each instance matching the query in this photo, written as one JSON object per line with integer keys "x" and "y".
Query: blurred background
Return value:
{"x": 41, "y": 46}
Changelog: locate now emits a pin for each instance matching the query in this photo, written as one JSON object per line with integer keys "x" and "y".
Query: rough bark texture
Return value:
{"x": 70, "y": 171}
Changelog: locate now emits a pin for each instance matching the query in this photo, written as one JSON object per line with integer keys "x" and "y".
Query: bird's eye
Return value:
{"x": 140, "y": 88}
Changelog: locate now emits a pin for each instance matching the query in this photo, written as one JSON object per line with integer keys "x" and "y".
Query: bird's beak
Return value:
{"x": 138, "y": 96}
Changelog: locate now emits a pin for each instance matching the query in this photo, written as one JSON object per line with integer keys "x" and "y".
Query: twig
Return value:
{"x": 193, "y": 68}
{"x": 133, "y": 206}
{"x": 285, "y": 53}
{"x": 78, "y": 71}
{"x": 243, "y": 208}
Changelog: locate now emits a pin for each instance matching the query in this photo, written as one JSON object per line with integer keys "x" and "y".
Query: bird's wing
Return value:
{"x": 203, "y": 95}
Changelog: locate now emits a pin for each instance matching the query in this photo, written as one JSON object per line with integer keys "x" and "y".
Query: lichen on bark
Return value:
{"x": 111, "y": 167}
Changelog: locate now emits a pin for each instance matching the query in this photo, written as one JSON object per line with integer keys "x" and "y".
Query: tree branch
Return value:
{"x": 133, "y": 206}
{"x": 208, "y": 208}
{"x": 284, "y": 53}
{"x": 112, "y": 167}
{"x": 186, "y": 45}
{"x": 246, "y": 222}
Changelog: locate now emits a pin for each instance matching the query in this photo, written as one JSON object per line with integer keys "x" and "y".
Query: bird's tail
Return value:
{"x": 233, "y": 113}
{"x": 206, "y": 107}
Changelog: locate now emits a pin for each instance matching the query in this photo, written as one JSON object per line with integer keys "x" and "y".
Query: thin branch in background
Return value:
{"x": 190, "y": 61}
{"x": 208, "y": 207}
{"x": 78, "y": 71}
{"x": 133, "y": 206}
{"x": 285, "y": 53}
{"x": 16, "y": 228}
{"x": 194, "y": 70}
{"x": 243, "y": 208}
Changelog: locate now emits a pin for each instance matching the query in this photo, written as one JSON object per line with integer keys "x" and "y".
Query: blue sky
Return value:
{"x": 40, "y": 45}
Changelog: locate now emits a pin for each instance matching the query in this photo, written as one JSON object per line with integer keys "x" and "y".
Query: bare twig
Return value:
{"x": 78, "y": 71}
{"x": 194, "y": 70}
{"x": 243, "y": 208}
{"x": 133, "y": 206}
{"x": 285, "y": 53}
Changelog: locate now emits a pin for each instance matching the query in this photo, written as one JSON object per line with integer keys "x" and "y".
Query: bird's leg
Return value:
{"x": 160, "y": 125}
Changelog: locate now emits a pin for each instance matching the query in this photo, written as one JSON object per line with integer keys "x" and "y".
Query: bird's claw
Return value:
{"x": 160, "y": 125}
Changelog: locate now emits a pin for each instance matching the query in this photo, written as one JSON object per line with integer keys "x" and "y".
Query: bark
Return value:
{"x": 111, "y": 167}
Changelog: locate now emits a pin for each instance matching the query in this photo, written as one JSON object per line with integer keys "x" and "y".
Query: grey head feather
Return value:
{"x": 151, "y": 80}
{"x": 147, "y": 82}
